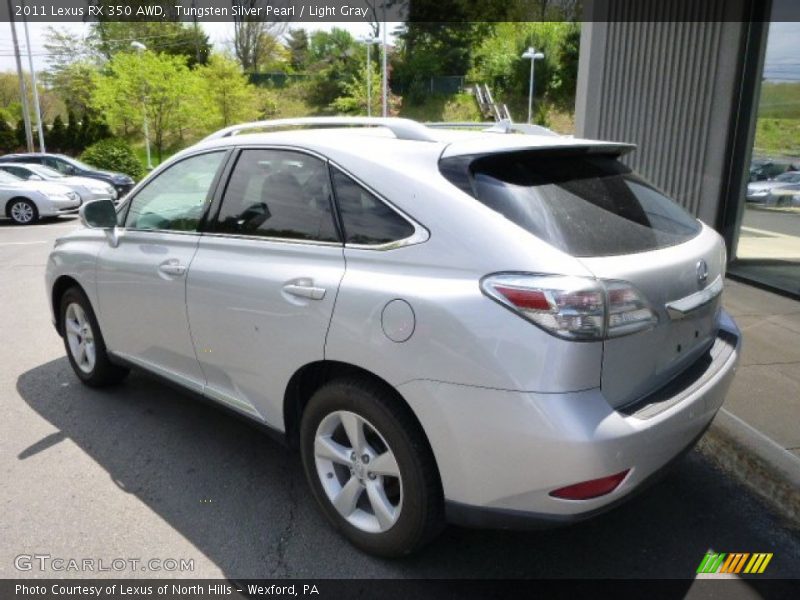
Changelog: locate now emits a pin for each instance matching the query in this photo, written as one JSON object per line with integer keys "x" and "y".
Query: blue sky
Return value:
{"x": 783, "y": 52}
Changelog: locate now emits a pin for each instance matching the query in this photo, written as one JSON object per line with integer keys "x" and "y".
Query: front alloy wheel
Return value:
{"x": 80, "y": 337}
{"x": 84, "y": 342}
{"x": 23, "y": 212}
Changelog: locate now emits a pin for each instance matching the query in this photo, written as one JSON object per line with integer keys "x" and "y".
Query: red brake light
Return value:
{"x": 590, "y": 489}
{"x": 525, "y": 299}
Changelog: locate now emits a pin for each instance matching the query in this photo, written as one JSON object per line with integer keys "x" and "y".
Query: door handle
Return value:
{"x": 172, "y": 267}
{"x": 305, "y": 291}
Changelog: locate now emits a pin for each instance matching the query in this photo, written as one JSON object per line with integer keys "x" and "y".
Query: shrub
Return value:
{"x": 115, "y": 155}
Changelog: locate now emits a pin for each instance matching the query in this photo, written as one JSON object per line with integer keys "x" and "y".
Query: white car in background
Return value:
{"x": 88, "y": 189}
{"x": 25, "y": 202}
{"x": 760, "y": 191}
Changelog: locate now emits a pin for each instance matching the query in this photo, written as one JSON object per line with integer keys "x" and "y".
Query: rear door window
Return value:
{"x": 585, "y": 205}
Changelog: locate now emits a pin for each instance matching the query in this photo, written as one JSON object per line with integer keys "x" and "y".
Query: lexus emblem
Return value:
{"x": 702, "y": 271}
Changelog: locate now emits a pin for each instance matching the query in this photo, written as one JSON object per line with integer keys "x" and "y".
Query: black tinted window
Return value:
{"x": 366, "y": 219}
{"x": 278, "y": 193}
{"x": 586, "y": 205}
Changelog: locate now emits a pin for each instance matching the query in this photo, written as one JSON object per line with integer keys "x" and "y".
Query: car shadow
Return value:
{"x": 240, "y": 498}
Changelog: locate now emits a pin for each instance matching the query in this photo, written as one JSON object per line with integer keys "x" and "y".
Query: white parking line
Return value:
{"x": 22, "y": 243}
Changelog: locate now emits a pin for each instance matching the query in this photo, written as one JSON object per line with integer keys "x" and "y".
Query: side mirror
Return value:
{"x": 99, "y": 214}
{"x": 34, "y": 177}
{"x": 69, "y": 170}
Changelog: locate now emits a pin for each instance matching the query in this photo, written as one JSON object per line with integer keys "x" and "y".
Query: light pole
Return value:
{"x": 533, "y": 56}
{"x": 369, "y": 41}
{"x": 140, "y": 47}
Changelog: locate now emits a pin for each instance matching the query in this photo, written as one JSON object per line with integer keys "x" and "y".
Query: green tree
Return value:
{"x": 335, "y": 58}
{"x": 72, "y": 134}
{"x": 498, "y": 61}
{"x": 230, "y": 97}
{"x": 297, "y": 42}
{"x": 19, "y": 133}
{"x": 171, "y": 93}
{"x": 168, "y": 37}
{"x": 353, "y": 100}
{"x": 74, "y": 84}
{"x": 57, "y": 136}
{"x": 8, "y": 139}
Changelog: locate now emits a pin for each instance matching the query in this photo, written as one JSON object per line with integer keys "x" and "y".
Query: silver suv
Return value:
{"x": 461, "y": 326}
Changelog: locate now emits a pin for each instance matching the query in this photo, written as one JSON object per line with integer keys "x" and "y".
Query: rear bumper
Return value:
{"x": 501, "y": 453}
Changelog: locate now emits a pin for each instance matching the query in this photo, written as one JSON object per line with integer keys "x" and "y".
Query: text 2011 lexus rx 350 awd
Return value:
{"x": 460, "y": 326}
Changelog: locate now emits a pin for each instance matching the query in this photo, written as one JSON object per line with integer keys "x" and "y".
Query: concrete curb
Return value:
{"x": 766, "y": 468}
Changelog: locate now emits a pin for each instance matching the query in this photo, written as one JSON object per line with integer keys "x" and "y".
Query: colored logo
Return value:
{"x": 734, "y": 562}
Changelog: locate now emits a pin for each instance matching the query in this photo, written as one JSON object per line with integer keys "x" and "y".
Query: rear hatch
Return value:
{"x": 680, "y": 284}
{"x": 586, "y": 202}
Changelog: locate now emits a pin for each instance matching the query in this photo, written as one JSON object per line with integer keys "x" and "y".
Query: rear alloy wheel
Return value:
{"x": 370, "y": 467}
{"x": 358, "y": 472}
{"x": 23, "y": 212}
{"x": 84, "y": 342}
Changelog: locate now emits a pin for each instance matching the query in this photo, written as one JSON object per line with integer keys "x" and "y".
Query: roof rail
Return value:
{"x": 403, "y": 129}
{"x": 503, "y": 126}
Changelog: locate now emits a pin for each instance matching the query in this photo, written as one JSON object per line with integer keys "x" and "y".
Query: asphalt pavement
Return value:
{"x": 141, "y": 471}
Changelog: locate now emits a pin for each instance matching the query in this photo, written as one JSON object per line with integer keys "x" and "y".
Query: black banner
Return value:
{"x": 383, "y": 589}
{"x": 428, "y": 11}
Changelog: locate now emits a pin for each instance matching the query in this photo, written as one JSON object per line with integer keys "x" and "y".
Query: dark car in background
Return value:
{"x": 764, "y": 169}
{"x": 71, "y": 166}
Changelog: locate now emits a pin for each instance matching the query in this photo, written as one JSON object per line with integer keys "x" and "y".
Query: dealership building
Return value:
{"x": 685, "y": 81}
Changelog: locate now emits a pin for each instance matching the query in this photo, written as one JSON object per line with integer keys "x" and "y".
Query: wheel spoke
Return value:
{"x": 383, "y": 509}
{"x": 73, "y": 326}
{"x": 82, "y": 353}
{"x": 325, "y": 447}
{"x": 385, "y": 464}
{"x": 345, "y": 502}
{"x": 88, "y": 350}
{"x": 354, "y": 428}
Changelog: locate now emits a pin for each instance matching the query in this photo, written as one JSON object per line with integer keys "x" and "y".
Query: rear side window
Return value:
{"x": 585, "y": 205}
{"x": 366, "y": 219}
{"x": 278, "y": 194}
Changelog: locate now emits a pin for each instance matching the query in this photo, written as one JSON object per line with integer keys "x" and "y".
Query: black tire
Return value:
{"x": 421, "y": 516}
{"x": 27, "y": 206}
{"x": 103, "y": 372}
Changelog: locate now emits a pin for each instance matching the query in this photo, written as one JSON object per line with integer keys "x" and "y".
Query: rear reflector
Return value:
{"x": 590, "y": 489}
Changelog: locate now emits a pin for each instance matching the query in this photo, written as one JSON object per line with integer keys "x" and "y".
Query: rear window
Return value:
{"x": 585, "y": 205}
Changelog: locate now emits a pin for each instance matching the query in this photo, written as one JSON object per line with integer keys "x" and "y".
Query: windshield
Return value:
{"x": 76, "y": 163}
{"x": 585, "y": 205}
{"x": 45, "y": 172}
{"x": 8, "y": 178}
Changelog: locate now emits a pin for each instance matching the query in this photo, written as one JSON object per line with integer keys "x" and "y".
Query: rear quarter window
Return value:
{"x": 583, "y": 204}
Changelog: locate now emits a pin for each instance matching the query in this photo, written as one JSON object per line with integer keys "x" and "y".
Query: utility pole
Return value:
{"x": 23, "y": 89}
{"x": 196, "y": 34}
{"x": 36, "y": 107}
{"x": 385, "y": 79}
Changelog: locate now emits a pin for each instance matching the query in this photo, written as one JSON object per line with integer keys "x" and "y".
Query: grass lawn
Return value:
{"x": 778, "y": 127}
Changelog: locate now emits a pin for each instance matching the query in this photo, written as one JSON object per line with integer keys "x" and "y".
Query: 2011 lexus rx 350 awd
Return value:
{"x": 460, "y": 326}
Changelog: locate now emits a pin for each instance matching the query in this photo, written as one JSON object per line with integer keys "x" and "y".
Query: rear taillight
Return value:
{"x": 590, "y": 489}
{"x": 576, "y": 308}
